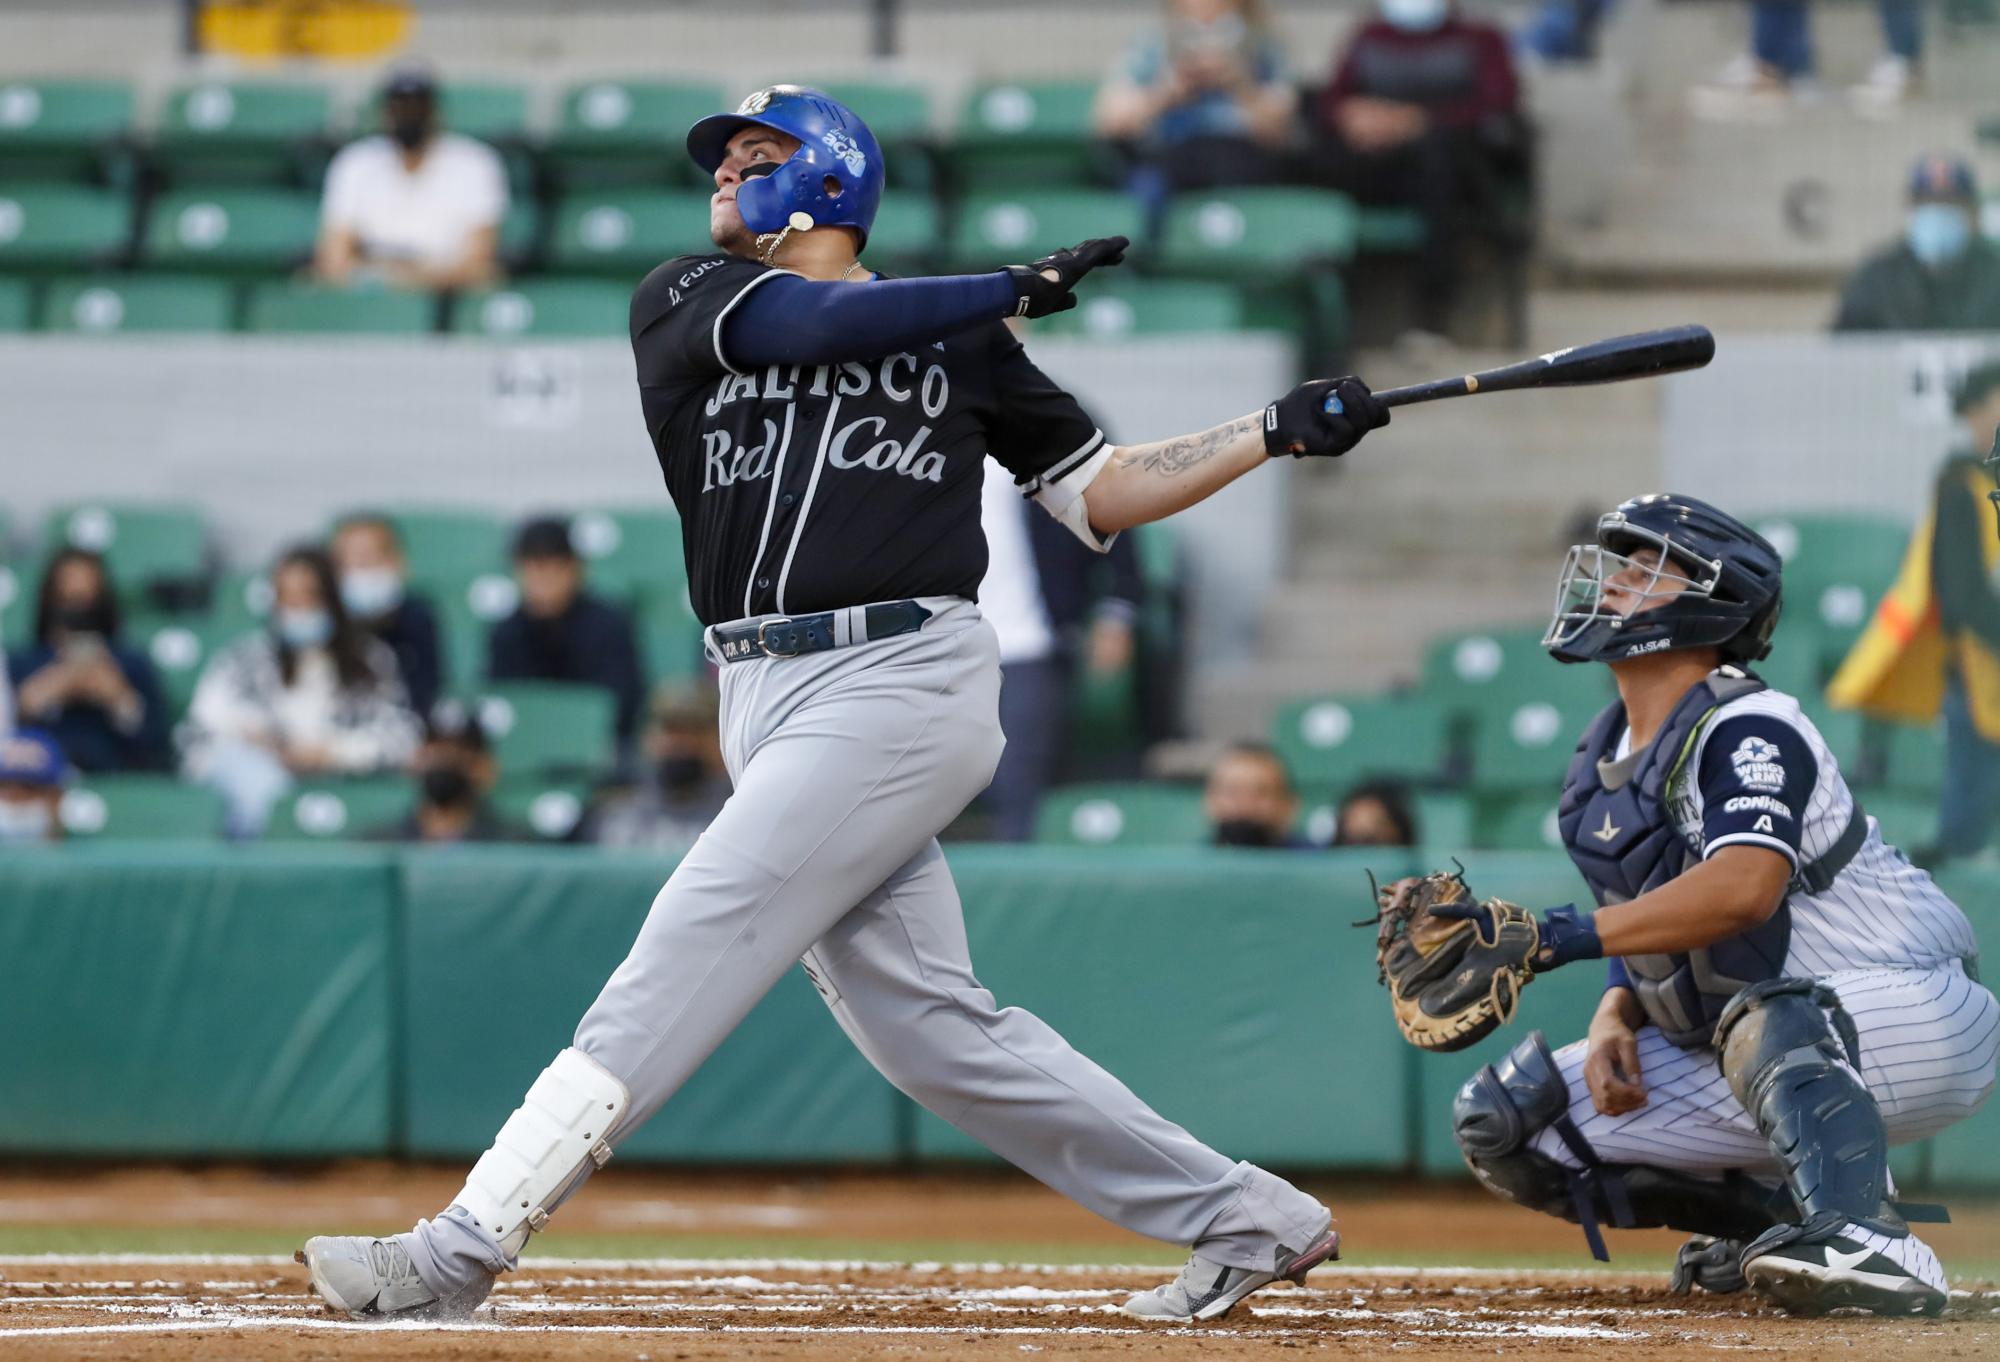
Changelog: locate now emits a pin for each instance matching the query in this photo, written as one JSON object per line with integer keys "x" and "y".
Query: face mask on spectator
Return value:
{"x": 1938, "y": 233}
{"x": 678, "y": 775}
{"x": 371, "y": 592}
{"x": 1415, "y": 16}
{"x": 1243, "y": 832}
{"x": 82, "y": 619}
{"x": 447, "y": 787}
{"x": 24, "y": 822}
{"x": 303, "y": 628}
{"x": 410, "y": 133}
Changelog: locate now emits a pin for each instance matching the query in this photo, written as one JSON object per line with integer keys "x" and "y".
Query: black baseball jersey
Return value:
{"x": 815, "y": 487}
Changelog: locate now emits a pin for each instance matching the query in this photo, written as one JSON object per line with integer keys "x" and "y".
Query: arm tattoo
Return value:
{"x": 1171, "y": 457}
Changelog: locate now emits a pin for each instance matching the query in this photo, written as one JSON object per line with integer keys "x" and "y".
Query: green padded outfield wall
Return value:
{"x": 165, "y": 1002}
{"x": 506, "y": 948}
{"x": 1227, "y": 988}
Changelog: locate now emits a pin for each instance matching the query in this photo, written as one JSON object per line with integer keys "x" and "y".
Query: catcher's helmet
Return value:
{"x": 834, "y": 178}
{"x": 1728, "y": 577}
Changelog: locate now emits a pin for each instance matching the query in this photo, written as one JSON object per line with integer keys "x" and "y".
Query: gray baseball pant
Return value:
{"x": 847, "y": 764}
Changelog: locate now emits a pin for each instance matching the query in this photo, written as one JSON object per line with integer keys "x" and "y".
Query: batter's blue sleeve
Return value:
{"x": 804, "y": 321}
{"x": 1757, "y": 772}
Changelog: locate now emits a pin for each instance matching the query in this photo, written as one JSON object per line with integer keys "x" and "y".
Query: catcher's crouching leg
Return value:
{"x": 1502, "y": 1108}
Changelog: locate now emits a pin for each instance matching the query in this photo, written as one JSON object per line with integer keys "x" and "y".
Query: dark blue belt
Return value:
{"x": 795, "y": 635}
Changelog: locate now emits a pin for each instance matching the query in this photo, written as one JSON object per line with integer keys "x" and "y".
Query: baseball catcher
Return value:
{"x": 1788, "y": 995}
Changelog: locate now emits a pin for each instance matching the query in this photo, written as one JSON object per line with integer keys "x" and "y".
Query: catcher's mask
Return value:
{"x": 1717, "y": 581}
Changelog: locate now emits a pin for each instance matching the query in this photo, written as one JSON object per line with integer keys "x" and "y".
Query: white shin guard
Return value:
{"x": 555, "y": 1136}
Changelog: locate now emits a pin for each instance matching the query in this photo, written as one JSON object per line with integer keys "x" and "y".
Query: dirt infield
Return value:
{"x": 578, "y": 1300}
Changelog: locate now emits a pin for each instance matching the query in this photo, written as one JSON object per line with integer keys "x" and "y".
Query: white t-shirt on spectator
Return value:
{"x": 425, "y": 217}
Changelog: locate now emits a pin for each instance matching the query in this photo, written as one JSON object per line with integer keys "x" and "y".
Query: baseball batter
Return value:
{"x": 822, "y": 430}
{"x": 1789, "y": 996}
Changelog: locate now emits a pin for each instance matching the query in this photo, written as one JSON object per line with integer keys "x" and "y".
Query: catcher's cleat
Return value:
{"x": 1206, "y": 1289}
{"x": 1714, "y": 1265}
{"x": 375, "y": 1277}
{"x": 1852, "y": 1269}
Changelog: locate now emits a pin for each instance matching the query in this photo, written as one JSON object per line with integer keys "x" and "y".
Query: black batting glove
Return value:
{"x": 1038, "y": 296}
{"x": 1322, "y": 419}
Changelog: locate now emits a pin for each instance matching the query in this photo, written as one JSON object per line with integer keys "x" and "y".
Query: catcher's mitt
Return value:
{"x": 1450, "y": 983}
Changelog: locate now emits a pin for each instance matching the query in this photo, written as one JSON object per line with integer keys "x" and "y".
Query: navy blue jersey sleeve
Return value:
{"x": 677, "y": 316}
{"x": 1039, "y": 433}
{"x": 806, "y": 321}
{"x": 1757, "y": 772}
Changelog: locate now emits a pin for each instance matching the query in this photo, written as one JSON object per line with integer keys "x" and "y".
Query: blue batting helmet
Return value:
{"x": 1719, "y": 584}
{"x": 834, "y": 178}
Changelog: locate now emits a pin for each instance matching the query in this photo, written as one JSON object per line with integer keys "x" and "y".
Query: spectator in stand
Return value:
{"x": 1943, "y": 275}
{"x": 455, "y": 771}
{"x": 1200, "y": 100}
{"x": 683, "y": 783}
{"x": 561, "y": 632}
{"x": 6, "y": 704}
{"x": 1375, "y": 813}
{"x": 1934, "y": 643}
{"x": 98, "y": 698}
{"x": 1250, "y": 800}
{"x": 313, "y": 695}
{"x": 374, "y": 586}
{"x": 414, "y": 206}
{"x": 32, "y": 771}
{"x": 1780, "y": 63}
{"x": 1423, "y": 110}
{"x": 1037, "y": 596}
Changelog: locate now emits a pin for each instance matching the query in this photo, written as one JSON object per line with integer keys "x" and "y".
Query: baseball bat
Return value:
{"x": 1645, "y": 355}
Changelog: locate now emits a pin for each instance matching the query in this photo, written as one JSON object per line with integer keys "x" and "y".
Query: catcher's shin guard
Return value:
{"x": 1501, "y": 1109}
{"x": 1791, "y": 1056}
{"x": 556, "y": 1136}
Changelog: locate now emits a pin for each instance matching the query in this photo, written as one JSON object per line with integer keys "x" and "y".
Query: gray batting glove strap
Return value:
{"x": 1322, "y": 419}
{"x": 1037, "y": 296}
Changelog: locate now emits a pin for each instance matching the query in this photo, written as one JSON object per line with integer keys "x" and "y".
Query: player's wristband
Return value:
{"x": 1566, "y": 935}
{"x": 1616, "y": 975}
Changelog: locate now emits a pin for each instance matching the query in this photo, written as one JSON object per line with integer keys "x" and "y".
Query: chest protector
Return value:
{"x": 1623, "y": 837}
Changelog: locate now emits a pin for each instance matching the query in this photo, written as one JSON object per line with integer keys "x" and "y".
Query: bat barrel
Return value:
{"x": 1648, "y": 354}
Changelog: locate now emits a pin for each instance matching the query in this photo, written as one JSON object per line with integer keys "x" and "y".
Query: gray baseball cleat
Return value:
{"x": 1207, "y": 1289}
{"x": 366, "y": 1276}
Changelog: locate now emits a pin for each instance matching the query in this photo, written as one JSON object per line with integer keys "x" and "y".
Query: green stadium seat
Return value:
{"x": 447, "y": 549}
{"x": 65, "y": 130}
{"x": 141, "y": 544}
{"x": 1135, "y": 814}
{"x": 669, "y": 633}
{"x": 626, "y": 233}
{"x": 243, "y": 132}
{"x": 545, "y": 307}
{"x": 232, "y": 231}
{"x": 547, "y": 727}
{"x": 627, "y": 132}
{"x": 1907, "y": 820}
{"x": 1384, "y": 230}
{"x": 119, "y": 808}
{"x": 1027, "y": 132}
{"x": 1523, "y": 821}
{"x": 1334, "y": 741}
{"x": 467, "y": 612}
{"x": 342, "y": 810}
{"x": 1497, "y": 667}
{"x": 240, "y": 604}
{"x": 1259, "y": 233}
{"x": 520, "y": 242}
{"x": 1527, "y": 745}
{"x": 285, "y": 306}
{"x": 119, "y": 303}
{"x": 53, "y": 228}
{"x": 1151, "y": 307}
{"x": 18, "y": 588}
{"x": 1836, "y": 568}
{"x": 180, "y": 649}
{"x": 1915, "y": 758}
{"x": 996, "y": 229}
{"x": 550, "y": 810}
{"x": 900, "y": 117}
{"x": 628, "y": 551}
{"x": 908, "y": 235}
{"x": 17, "y": 300}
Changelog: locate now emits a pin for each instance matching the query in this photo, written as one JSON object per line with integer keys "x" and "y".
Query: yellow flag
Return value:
{"x": 330, "y": 30}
